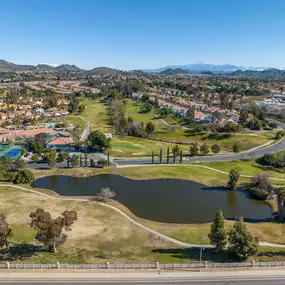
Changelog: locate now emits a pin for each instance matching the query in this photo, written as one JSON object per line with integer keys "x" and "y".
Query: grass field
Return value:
{"x": 98, "y": 114}
{"x": 100, "y": 235}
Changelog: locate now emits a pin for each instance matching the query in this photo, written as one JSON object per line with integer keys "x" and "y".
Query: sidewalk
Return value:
{"x": 136, "y": 275}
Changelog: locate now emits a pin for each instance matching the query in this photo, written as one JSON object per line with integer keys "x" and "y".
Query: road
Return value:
{"x": 216, "y": 281}
{"x": 228, "y": 157}
{"x": 148, "y": 160}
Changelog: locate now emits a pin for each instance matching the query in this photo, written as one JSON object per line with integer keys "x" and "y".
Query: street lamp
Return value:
{"x": 201, "y": 252}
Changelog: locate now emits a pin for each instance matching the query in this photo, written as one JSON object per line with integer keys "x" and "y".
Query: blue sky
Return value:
{"x": 129, "y": 34}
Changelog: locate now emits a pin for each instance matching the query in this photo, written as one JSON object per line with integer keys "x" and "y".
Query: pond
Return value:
{"x": 163, "y": 200}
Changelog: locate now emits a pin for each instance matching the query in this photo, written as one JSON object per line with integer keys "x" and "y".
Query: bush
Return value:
{"x": 92, "y": 162}
{"x": 237, "y": 147}
{"x": 24, "y": 176}
{"x": 280, "y": 135}
{"x": 34, "y": 157}
{"x": 215, "y": 148}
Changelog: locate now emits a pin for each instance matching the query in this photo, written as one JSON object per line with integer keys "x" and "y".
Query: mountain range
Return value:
{"x": 196, "y": 67}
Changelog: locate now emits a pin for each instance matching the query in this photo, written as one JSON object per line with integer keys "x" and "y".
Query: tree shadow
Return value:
{"x": 193, "y": 254}
{"x": 19, "y": 252}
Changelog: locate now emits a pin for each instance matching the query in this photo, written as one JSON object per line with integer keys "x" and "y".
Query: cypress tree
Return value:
{"x": 241, "y": 242}
{"x": 218, "y": 233}
{"x": 160, "y": 156}
{"x": 167, "y": 155}
{"x": 152, "y": 156}
{"x": 181, "y": 156}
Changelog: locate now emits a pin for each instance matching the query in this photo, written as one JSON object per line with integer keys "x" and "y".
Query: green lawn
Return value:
{"x": 98, "y": 114}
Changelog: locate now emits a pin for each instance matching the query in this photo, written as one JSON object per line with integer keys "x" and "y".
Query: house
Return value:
{"x": 59, "y": 143}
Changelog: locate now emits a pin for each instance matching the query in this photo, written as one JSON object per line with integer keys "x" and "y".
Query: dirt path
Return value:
{"x": 165, "y": 237}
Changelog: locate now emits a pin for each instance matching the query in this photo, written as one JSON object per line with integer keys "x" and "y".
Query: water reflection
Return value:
{"x": 164, "y": 200}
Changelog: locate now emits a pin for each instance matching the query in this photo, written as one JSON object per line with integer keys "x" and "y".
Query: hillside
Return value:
{"x": 9, "y": 66}
{"x": 68, "y": 68}
{"x": 104, "y": 71}
{"x": 170, "y": 71}
{"x": 268, "y": 73}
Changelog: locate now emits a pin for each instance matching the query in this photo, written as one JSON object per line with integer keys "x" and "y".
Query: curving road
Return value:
{"x": 228, "y": 157}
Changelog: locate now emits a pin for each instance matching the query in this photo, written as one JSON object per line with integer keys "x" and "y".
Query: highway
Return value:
{"x": 217, "y": 281}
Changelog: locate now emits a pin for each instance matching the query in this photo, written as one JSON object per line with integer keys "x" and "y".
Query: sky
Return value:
{"x": 137, "y": 34}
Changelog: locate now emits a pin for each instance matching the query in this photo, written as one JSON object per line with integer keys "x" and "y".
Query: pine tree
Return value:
{"x": 218, "y": 233}
{"x": 241, "y": 241}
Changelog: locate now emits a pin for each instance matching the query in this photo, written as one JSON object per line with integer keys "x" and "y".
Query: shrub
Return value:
{"x": 24, "y": 176}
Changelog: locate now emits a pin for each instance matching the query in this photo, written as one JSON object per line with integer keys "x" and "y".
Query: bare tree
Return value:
{"x": 106, "y": 193}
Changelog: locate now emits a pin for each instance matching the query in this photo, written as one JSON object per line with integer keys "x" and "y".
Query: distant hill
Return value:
{"x": 9, "y": 66}
{"x": 268, "y": 73}
{"x": 170, "y": 71}
{"x": 68, "y": 68}
{"x": 104, "y": 71}
{"x": 44, "y": 68}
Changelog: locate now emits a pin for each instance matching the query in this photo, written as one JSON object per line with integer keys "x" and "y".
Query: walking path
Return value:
{"x": 165, "y": 237}
{"x": 86, "y": 131}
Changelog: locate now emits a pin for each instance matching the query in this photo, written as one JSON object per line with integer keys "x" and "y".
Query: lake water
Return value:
{"x": 164, "y": 200}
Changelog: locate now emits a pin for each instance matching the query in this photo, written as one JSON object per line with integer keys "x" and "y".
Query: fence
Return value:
{"x": 142, "y": 266}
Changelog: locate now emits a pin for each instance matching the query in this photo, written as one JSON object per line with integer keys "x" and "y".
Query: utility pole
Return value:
{"x": 160, "y": 156}
{"x": 167, "y": 155}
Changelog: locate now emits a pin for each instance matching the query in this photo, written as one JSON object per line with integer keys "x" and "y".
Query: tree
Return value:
{"x": 37, "y": 147}
{"x": 150, "y": 128}
{"x": 237, "y": 147}
{"x": 23, "y": 177}
{"x": 92, "y": 162}
{"x": 50, "y": 157}
{"x": 234, "y": 178}
{"x": 34, "y": 157}
{"x": 74, "y": 160}
{"x": 273, "y": 125}
{"x": 190, "y": 114}
{"x": 268, "y": 159}
{"x": 98, "y": 141}
{"x": 215, "y": 148}
{"x": 102, "y": 162}
{"x": 204, "y": 149}
{"x": 62, "y": 156}
{"x": 5, "y": 231}
{"x": 176, "y": 150}
{"x": 49, "y": 230}
{"x": 194, "y": 149}
{"x": 76, "y": 136}
{"x": 243, "y": 117}
{"x": 281, "y": 204}
{"x": 218, "y": 233}
{"x": 262, "y": 182}
{"x": 241, "y": 242}
{"x": 106, "y": 193}
{"x": 280, "y": 135}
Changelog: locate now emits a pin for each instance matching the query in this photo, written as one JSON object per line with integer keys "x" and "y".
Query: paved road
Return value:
{"x": 235, "y": 156}
{"x": 217, "y": 281}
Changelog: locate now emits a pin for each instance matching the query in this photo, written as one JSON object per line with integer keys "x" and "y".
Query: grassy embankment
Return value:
{"x": 164, "y": 136}
{"x": 101, "y": 234}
